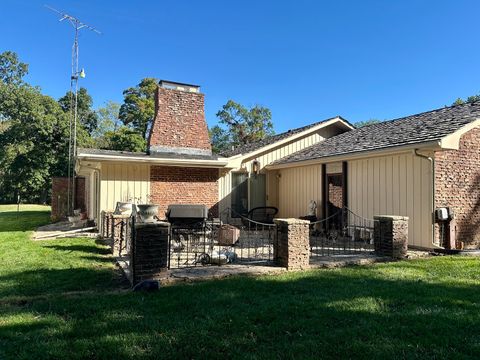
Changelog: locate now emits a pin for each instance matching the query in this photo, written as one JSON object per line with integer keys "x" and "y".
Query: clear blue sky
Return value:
{"x": 305, "y": 60}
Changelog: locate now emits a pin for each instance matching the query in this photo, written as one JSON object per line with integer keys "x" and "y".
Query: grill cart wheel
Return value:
{"x": 203, "y": 259}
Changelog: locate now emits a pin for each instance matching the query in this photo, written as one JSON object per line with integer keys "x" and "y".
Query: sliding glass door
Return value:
{"x": 247, "y": 192}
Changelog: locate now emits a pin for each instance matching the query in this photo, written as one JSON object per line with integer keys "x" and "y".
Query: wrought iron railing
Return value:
{"x": 216, "y": 243}
{"x": 342, "y": 233}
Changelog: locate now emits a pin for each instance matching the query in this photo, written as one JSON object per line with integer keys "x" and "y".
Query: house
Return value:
{"x": 179, "y": 167}
{"x": 409, "y": 166}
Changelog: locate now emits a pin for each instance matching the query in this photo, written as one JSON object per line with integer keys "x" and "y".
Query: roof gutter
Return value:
{"x": 154, "y": 160}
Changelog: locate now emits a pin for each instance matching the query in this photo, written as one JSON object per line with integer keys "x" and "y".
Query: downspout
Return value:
{"x": 432, "y": 212}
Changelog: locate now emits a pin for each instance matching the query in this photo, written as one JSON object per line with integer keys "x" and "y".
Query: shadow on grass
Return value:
{"x": 57, "y": 281}
{"x": 23, "y": 220}
{"x": 92, "y": 249}
{"x": 348, "y": 313}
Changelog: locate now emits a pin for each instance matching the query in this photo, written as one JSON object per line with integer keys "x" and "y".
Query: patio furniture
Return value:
{"x": 261, "y": 214}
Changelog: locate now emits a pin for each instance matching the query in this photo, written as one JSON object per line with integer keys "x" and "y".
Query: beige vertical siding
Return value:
{"x": 224, "y": 191}
{"x": 121, "y": 182}
{"x": 272, "y": 188}
{"x": 281, "y": 151}
{"x": 394, "y": 185}
{"x": 297, "y": 186}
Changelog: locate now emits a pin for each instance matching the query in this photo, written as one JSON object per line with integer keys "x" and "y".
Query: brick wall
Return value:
{"x": 335, "y": 190}
{"x": 182, "y": 185}
{"x": 457, "y": 185}
{"x": 179, "y": 120}
{"x": 59, "y": 196}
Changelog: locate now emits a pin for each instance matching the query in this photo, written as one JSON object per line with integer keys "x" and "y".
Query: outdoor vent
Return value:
{"x": 179, "y": 86}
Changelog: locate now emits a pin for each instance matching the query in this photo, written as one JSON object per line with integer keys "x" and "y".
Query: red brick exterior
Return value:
{"x": 59, "y": 197}
{"x": 179, "y": 120}
{"x": 182, "y": 185}
{"x": 335, "y": 190}
{"x": 457, "y": 185}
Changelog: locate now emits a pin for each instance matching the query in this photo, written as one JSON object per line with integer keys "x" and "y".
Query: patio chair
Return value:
{"x": 262, "y": 214}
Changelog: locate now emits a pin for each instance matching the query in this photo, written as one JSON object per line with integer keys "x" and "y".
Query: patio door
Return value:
{"x": 247, "y": 192}
{"x": 334, "y": 193}
{"x": 335, "y": 198}
{"x": 239, "y": 194}
{"x": 258, "y": 192}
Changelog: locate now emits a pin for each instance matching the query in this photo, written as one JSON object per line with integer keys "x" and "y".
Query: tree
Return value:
{"x": 220, "y": 139}
{"x": 360, "y": 124}
{"x": 12, "y": 70}
{"x": 33, "y": 139}
{"x": 86, "y": 116}
{"x": 470, "y": 99}
{"x": 108, "y": 122}
{"x": 138, "y": 108}
{"x": 125, "y": 139}
{"x": 34, "y": 145}
{"x": 243, "y": 125}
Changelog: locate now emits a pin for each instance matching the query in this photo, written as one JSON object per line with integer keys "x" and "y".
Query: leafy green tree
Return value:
{"x": 108, "y": 122}
{"x": 86, "y": 116}
{"x": 34, "y": 139}
{"x": 360, "y": 124}
{"x": 34, "y": 145}
{"x": 125, "y": 139}
{"x": 12, "y": 70}
{"x": 220, "y": 139}
{"x": 242, "y": 125}
{"x": 138, "y": 108}
{"x": 469, "y": 99}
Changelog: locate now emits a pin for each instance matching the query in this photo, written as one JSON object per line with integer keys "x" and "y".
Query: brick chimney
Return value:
{"x": 179, "y": 125}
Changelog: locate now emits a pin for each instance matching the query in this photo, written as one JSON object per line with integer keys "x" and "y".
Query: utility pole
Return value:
{"x": 72, "y": 141}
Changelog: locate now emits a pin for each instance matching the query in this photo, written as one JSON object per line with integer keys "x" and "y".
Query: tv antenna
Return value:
{"x": 72, "y": 141}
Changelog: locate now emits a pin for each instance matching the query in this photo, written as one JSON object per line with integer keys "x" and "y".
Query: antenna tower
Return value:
{"x": 72, "y": 141}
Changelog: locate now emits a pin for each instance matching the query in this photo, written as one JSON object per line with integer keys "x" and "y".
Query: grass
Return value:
{"x": 64, "y": 299}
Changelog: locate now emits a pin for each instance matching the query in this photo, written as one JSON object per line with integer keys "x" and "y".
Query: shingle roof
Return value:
{"x": 160, "y": 155}
{"x": 424, "y": 127}
{"x": 246, "y": 148}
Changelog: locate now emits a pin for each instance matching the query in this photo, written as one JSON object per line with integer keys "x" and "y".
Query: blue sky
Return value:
{"x": 305, "y": 60}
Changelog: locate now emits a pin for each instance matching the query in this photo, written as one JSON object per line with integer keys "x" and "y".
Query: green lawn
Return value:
{"x": 64, "y": 299}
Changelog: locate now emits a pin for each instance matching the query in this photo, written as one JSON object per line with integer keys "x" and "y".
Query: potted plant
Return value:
{"x": 148, "y": 211}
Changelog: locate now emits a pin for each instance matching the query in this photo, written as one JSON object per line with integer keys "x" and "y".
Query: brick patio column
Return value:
{"x": 391, "y": 236}
{"x": 119, "y": 233}
{"x": 149, "y": 251}
{"x": 293, "y": 244}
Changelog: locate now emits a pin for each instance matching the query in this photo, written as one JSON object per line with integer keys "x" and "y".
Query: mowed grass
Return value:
{"x": 63, "y": 299}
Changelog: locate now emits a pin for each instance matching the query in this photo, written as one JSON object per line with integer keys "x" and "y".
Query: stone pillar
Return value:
{"x": 391, "y": 236}
{"x": 149, "y": 251}
{"x": 120, "y": 233}
{"x": 293, "y": 244}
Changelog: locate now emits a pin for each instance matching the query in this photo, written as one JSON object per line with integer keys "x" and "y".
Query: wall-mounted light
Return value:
{"x": 255, "y": 167}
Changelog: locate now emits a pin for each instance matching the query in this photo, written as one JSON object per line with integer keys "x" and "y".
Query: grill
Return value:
{"x": 179, "y": 215}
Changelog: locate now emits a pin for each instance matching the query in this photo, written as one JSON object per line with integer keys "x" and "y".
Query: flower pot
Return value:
{"x": 147, "y": 212}
{"x": 123, "y": 208}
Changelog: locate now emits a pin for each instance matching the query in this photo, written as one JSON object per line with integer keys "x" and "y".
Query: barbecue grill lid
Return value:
{"x": 183, "y": 211}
